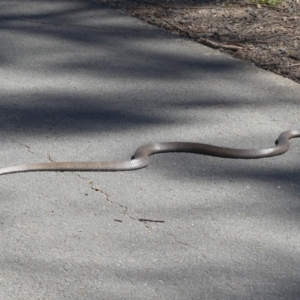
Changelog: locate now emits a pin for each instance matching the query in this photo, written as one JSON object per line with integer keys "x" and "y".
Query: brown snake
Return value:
{"x": 141, "y": 156}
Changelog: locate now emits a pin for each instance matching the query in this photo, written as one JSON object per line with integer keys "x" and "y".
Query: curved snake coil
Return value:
{"x": 141, "y": 156}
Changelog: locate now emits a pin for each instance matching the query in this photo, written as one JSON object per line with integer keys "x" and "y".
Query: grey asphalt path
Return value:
{"x": 82, "y": 82}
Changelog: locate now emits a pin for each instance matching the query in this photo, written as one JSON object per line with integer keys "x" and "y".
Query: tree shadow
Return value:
{"x": 95, "y": 78}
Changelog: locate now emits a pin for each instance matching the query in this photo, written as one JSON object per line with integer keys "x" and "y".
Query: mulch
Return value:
{"x": 267, "y": 36}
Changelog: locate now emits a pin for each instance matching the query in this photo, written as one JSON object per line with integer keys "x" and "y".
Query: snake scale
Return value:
{"x": 140, "y": 158}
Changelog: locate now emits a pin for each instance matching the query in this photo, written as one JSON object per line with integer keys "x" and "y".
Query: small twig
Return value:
{"x": 273, "y": 35}
{"x": 259, "y": 41}
{"x": 261, "y": 24}
{"x": 269, "y": 64}
{"x": 219, "y": 45}
{"x": 150, "y": 220}
{"x": 171, "y": 23}
{"x": 293, "y": 56}
{"x": 229, "y": 29}
{"x": 262, "y": 42}
{"x": 294, "y": 65}
{"x": 293, "y": 18}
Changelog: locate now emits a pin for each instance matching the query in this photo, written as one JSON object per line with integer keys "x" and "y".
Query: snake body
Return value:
{"x": 141, "y": 156}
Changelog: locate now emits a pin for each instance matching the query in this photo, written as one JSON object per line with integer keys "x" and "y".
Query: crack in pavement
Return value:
{"x": 107, "y": 198}
{"x": 125, "y": 211}
{"x": 179, "y": 242}
{"x": 28, "y": 149}
{"x": 32, "y": 152}
{"x": 106, "y": 195}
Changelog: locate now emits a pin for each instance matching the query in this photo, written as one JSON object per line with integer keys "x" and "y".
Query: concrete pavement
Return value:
{"x": 83, "y": 82}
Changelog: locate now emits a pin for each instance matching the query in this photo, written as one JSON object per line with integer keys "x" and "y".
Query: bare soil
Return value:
{"x": 267, "y": 36}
